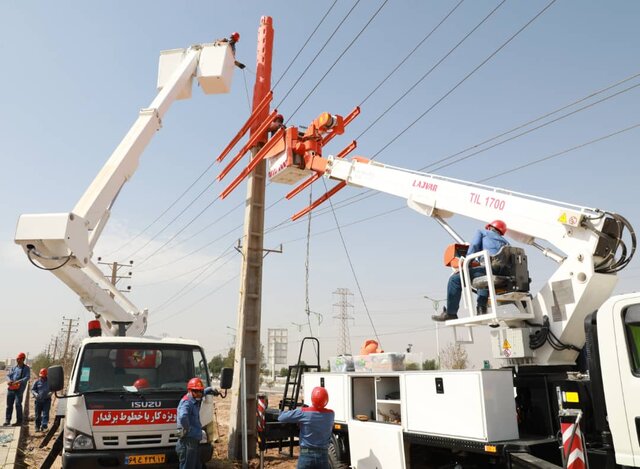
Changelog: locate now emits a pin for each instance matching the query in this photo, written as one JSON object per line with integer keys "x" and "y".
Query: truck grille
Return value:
{"x": 110, "y": 440}
{"x": 137, "y": 440}
{"x": 132, "y": 441}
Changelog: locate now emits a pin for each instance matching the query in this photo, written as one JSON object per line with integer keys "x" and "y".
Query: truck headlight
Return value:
{"x": 74, "y": 440}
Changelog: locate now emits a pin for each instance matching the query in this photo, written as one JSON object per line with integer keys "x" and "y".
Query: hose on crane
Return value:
{"x": 545, "y": 335}
{"x": 31, "y": 249}
{"x": 609, "y": 264}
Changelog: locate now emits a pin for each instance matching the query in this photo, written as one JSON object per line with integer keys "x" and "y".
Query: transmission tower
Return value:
{"x": 342, "y": 306}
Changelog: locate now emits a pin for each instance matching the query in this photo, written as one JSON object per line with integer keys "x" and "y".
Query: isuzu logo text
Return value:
{"x": 146, "y": 405}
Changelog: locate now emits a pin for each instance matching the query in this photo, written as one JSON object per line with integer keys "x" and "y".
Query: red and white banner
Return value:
{"x": 134, "y": 417}
{"x": 574, "y": 454}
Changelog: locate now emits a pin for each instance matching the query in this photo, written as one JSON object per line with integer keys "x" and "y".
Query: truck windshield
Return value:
{"x": 139, "y": 367}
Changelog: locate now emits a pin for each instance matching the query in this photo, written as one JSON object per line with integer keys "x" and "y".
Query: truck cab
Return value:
{"x": 122, "y": 399}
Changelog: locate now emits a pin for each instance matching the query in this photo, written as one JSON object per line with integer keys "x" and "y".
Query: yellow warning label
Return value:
{"x": 506, "y": 344}
{"x": 571, "y": 396}
{"x": 563, "y": 217}
{"x": 490, "y": 448}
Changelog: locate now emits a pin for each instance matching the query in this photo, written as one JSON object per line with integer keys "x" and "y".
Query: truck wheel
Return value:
{"x": 338, "y": 458}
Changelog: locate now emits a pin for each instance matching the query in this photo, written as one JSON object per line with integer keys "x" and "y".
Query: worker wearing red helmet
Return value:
{"x": 189, "y": 425}
{"x": 490, "y": 239}
{"x": 42, "y": 395}
{"x": 316, "y": 424}
{"x": 17, "y": 380}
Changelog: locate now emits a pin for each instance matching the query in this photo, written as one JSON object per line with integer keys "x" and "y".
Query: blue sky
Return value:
{"x": 75, "y": 75}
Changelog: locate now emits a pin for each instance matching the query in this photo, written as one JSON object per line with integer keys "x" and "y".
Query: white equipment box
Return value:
{"x": 474, "y": 405}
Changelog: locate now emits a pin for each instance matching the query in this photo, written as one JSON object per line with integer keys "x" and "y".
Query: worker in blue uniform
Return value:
{"x": 316, "y": 425}
{"x": 17, "y": 380}
{"x": 189, "y": 425}
{"x": 490, "y": 239}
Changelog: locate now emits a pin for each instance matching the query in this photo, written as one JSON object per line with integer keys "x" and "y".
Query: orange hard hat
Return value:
{"x": 235, "y": 36}
{"x": 195, "y": 384}
{"x": 141, "y": 383}
{"x": 498, "y": 225}
{"x": 21, "y": 356}
{"x": 43, "y": 373}
{"x": 370, "y": 346}
{"x": 319, "y": 397}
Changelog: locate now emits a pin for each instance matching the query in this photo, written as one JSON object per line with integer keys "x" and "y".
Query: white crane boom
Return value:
{"x": 586, "y": 243}
{"x": 63, "y": 243}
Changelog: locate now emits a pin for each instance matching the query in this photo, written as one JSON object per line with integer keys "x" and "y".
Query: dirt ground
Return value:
{"x": 33, "y": 455}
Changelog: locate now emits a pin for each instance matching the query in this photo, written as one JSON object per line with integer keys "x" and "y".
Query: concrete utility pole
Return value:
{"x": 249, "y": 309}
{"x": 69, "y": 328}
{"x": 114, "y": 277}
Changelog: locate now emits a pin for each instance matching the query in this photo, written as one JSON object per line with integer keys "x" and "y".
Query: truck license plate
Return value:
{"x": 145, "y": 459}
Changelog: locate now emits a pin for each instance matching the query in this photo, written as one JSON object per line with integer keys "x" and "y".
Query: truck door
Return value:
{"x": 619, "y": 344}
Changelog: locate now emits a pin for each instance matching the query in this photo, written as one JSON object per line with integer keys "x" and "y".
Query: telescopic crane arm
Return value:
{"x": 585, "y": 243}
{"x": 63, "y": 243}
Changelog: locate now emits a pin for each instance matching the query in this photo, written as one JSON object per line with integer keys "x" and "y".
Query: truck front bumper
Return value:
{"x": 119, "y": 458}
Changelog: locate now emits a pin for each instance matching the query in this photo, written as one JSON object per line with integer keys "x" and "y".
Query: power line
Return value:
{"x": 338, "y": 59}
{"x": 423, "y": 77}
{"x": 353, "y": 270}
{"x": 606, "y": 98}
{"x": 563, "y": 152}
{"x": 429, "y": 34}
{"x": 318, "y": 54}
{"x": 305, "y": 44}
{"x": 493, "y": 54}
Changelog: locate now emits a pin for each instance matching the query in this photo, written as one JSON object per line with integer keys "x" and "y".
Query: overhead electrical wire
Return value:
{"x": 338, "y": 59}
{"x": 406, "y": 57}
{"x": 220, "y": 287}
{"x": 606, "y": 98}
{"x": 560, "y": 153}
{"x": 305, "y": 44}
{"x": 191, "y": 285}
{"x": 318, "y": 53}
{"x": 353, "y": 271}
{"x": 466, "y": 77}
{"x": 423, "y": 77}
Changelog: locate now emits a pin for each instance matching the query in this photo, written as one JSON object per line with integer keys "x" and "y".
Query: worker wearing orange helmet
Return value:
{"x": 17, "y": 380}
{"x": 42, "y": 395}
{"x": 189, "y": 426}
{"x": 316, "y": 425}
{"x": 490, "y": 239}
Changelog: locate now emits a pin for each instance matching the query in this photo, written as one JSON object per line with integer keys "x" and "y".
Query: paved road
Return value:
{"x": 9, "y": 436}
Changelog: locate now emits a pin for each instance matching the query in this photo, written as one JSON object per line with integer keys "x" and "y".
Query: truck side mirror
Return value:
{"x": 55, "y": 376}
{"x": 226, "y": 378}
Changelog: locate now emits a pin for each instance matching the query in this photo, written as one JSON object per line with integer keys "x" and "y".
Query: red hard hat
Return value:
{"x": 43, "y": 373}
{"x": 279, "y": 117}
{"x": 21, "y": 356}
{"x": 141, "y": 383}
{"x": 498, "y": 225}
{"x": 235, "y": 36}
{"x": 319, "y": 397}
{"x": 195, "y": 384}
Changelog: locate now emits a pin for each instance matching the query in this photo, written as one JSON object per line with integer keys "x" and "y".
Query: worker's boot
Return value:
{"x": 481, "y": 310}
{"x": 444, "y": 316}
{"x": 240, "y": 65}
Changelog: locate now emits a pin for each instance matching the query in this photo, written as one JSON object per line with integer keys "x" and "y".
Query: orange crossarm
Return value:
{"x": 320, "y": 200}
{"x": 352, "y": 115}
{"x": 348, "y": 149}
{"x": 253, "y": 163}
{"x": 247, "y": 125}
{"x": 302, "y": 186}
{"x": 252, "y": 141}
{"x": 346, "y": 121}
